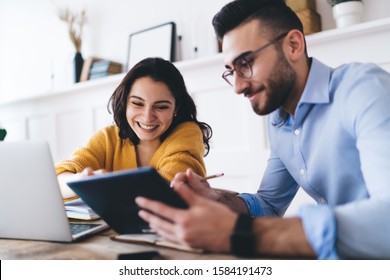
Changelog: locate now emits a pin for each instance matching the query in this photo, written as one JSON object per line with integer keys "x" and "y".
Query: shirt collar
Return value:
{"x": 316, "y": 91}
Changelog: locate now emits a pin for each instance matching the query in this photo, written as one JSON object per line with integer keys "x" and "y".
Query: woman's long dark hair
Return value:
{"x": 159, "y": 70}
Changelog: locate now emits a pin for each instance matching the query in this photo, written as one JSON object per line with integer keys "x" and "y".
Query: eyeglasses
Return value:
{"x": 242, "y": 65}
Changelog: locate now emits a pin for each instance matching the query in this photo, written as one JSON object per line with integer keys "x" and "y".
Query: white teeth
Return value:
{"x": 149, "y": 127}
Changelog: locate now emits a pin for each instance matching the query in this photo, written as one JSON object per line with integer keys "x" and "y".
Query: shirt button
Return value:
{"x": 322, "y": 201}
{"x": 301, "y": 171}
{"x": 296, "y": 132}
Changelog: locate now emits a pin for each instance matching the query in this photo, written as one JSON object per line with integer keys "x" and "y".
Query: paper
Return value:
{"x": 78, "y": 209}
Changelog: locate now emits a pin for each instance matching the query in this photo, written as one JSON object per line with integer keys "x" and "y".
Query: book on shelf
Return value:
{"x": 106, "y": 66}
{"x": 95, "y": 67}
{"x": 93, "y": 76}
{"x": 153, "y": 239}
{"x": 78, "y": 209}
{"x": 84, "y": 76}
{"x": 103, "y": 68}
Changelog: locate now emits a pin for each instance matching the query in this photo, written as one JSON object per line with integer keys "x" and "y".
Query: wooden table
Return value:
{"x": 97, "y": 247}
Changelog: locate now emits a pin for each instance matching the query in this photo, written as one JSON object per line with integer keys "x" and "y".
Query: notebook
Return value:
{"x": 31, "y": 205}
{"x": 154, "y": 239}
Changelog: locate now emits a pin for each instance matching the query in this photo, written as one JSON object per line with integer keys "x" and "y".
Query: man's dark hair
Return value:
{"x": 274, "y": 15}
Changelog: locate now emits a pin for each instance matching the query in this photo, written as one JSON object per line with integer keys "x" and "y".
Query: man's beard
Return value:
{"x": 280, "y": 84}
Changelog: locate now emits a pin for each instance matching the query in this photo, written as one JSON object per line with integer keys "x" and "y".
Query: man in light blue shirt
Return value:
{"x": 329, "y": 133}
{"x": 336, "y": 147}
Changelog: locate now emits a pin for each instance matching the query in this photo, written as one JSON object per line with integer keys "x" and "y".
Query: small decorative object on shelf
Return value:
{"x": 78, "y": 66}
{"x": 75, "y": 22}
{"x": 346, "y": 12}
{"x": 306, "y": 11}
{"x": 3, "y": 133}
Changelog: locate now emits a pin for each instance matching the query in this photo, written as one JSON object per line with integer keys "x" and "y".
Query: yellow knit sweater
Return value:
{"x": 182, "y": 149}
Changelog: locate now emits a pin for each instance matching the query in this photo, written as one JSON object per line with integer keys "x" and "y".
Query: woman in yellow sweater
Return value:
{"x": 155, "y": 125}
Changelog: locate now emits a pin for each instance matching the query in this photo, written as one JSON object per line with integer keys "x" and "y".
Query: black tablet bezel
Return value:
{"x": 112, "y": 196}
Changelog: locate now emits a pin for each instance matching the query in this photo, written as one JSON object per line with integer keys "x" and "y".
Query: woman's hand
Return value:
{"x": 65, "y": 177}
{"x": 89, "y": 172}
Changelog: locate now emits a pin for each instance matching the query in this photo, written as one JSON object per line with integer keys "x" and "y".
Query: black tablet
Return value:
{"x": 112, "y": 196}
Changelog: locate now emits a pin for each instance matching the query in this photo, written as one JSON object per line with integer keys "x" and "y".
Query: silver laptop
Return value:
{"x": 31, "y": 205}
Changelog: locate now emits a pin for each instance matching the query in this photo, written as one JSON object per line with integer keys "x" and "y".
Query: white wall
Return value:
{"x": 36, "y": 53}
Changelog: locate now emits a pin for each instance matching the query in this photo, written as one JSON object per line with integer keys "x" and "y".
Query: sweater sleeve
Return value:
{"x": 92, "y": 155}
{"x": 183, "y": 149}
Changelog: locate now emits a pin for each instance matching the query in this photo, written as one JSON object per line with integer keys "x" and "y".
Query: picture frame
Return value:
{"x": 156, "y": 41}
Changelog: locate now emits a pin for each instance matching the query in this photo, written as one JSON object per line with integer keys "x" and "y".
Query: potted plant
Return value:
{"x": 3, "y": 133}
{"x": 75, "y": 24}
{"x": 346, "y": 12}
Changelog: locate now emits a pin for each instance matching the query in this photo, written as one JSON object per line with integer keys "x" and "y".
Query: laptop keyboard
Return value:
{"x": 76, "y": 228}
